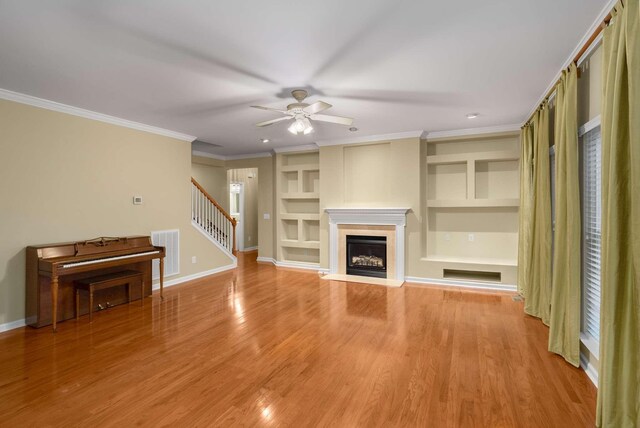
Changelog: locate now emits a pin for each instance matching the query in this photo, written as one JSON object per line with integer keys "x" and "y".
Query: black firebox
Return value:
{"x": 367, "y": 256}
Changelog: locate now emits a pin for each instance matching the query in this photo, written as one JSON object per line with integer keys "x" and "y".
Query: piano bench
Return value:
{"x": 101, "y": 282}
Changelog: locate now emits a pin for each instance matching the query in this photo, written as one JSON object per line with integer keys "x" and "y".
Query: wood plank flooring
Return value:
{"x": 269, "y": 347}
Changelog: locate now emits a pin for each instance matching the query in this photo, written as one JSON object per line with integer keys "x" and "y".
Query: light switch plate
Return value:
{"x": 266, "y": 216}
{"x": 472, "y": 237}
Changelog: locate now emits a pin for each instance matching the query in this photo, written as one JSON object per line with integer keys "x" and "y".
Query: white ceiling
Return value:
{"x": 195, "y": 66}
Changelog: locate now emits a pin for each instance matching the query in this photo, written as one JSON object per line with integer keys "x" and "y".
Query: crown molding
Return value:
{"x": 371, "y": 138}
{"x": 88, "y": 114}
{"x": 596, "y": 23}
{"x": 301, "y": 148}
{"x": 231, "y": 157}
{"x": 473, "y": 131}
{"x": 208, "y": 155}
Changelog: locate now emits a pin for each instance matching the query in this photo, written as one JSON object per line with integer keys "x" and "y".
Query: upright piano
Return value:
{"x": 52, "y": 269}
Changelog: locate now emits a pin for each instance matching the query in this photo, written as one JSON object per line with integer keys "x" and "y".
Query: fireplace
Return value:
{"x": 367, "y": 255}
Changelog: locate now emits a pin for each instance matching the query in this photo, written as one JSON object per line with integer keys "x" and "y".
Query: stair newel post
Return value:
{"x": 235, "y": 249}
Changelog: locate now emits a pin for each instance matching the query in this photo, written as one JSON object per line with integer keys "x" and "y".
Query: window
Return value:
{"x": 591, "y": 156}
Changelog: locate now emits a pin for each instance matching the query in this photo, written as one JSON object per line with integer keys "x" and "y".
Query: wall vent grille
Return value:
{"x": 170, "y": 239}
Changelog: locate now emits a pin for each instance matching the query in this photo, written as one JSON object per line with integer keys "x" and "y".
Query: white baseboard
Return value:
{"x": 197, "y": 275}
{"x": 246, "y": 250}
{"x": 462, "y": 284}
{"x": 293, "y": 265}
{"x": 12, "y": 325}
{"x": 589, "y": 369}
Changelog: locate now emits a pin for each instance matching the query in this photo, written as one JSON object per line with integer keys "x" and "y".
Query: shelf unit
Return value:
{"x": 298, "y": 199}
{"x": 472, "y": 200}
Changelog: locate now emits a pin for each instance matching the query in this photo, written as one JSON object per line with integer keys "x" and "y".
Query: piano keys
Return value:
{"x": 52, "y": 269}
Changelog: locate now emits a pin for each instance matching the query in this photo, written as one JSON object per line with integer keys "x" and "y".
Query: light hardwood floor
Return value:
{"x": 269, "y": 347}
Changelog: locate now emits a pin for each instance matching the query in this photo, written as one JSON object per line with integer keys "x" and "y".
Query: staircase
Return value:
{"x": 212, "y": 220}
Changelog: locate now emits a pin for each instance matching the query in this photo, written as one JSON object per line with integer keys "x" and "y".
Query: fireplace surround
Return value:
{"x": 387, "y": 222}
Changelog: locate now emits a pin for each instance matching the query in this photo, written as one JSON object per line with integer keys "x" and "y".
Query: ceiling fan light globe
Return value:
{"x": 308, "y": 130}
{"x": 293, "y": 129}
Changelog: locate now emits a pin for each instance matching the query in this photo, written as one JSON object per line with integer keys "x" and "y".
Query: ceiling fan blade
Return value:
{"x": 316, "y": 107}
{"x": 271, "y": 109}
{"x": 272, "y": 121}
{"x": 333, "y": 119}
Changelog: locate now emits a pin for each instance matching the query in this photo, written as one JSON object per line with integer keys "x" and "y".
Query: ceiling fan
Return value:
{"x": 303, "y": 114}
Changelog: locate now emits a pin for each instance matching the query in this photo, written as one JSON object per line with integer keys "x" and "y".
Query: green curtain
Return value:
{"x": 619, "y": 374}
{"x": 538, "y": 284}
{"x": 526, "y": 202}
{"x": 564, "y": 326}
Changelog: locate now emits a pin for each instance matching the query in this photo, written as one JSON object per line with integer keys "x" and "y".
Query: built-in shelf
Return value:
{"x": 299, "y": 244}
{"x": 471, "y": 260}
{"x": 500, "y": 155}
{"x": 472, "y": 203}
{"x": 304, "y": 167}
{"x": 302, "y": 195}
{"x": 298, "y": 207}
{"x": 288, "y": 216}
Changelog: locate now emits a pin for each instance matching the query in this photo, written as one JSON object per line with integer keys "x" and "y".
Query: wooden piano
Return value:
{"x": 52, "y": 269}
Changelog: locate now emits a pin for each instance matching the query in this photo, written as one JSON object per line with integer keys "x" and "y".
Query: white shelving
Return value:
{"x": 298, "y": 176}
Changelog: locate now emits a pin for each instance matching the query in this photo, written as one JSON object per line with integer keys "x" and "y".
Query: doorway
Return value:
{"x": 243, "y": 206}
{"x": 236, "y": 208}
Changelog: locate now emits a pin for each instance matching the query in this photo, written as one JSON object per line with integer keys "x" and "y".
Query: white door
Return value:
{"x": 236, "y": 205}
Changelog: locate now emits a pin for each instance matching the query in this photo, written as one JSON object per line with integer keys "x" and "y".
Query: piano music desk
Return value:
{"x": 102, "y": 282}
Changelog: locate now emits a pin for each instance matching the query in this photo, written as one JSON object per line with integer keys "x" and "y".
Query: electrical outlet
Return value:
{"x": 447, "y": 237}
{"x": 472, "y": 237}
{"x": 194, "y": 260}
{"x": 266, "y": 216}
{"x": 249, "y": 238}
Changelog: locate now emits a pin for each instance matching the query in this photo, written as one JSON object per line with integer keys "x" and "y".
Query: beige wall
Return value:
{"x": 347, "y": 179}
{"x": 395, "y": 174}
{"x": 266, "y": 200}
{"x": 249, "y": 177}
{"x": 212, "y": 176}
{"x": 590, "y": 87}
{"x": 67, "y": 178}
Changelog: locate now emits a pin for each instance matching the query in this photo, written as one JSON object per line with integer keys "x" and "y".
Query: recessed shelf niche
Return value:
{"x": 298, "y": 207}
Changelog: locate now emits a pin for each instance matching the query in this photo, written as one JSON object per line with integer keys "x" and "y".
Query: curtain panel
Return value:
{"x": 537, "y": 283}
{"x": 564, "y": 325}
{"x": 619, "y": 374}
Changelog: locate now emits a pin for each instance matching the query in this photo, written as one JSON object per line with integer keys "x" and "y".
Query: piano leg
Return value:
{"x": 161, "y": 277}
{"x": 54, "y": 301}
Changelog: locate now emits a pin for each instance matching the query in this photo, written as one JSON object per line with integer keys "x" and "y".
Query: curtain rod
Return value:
{"x": 581, "y": 52}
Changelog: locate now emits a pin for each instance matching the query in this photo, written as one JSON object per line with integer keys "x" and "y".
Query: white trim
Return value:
{"x": 297, "y": 265}
{"x": 247, "y": 249}
{"x": 590, "y": 343}
{"x": 88, "y": 114}
{"x": 210, "y": 238}
{"x": 371, "y": 138}
{"x": 198, "y": 275}
{"x": 473, "y": 131}
{"x": 249, "y": 156}
{"x": 231, "y": 157}
{"x": 589, "y": 126}
{"x": 12, "y": 325}
{"x": 589, "y": 369}
{"x": 261, "y": 259}
{"x": 208, "y": 155}
{"x": 369, "y": 216}
{"x": 461, "y": 284}
{"x": 293, "y": 265}
{"x": 598, "y": 21}
{"x": 301, "y": 148}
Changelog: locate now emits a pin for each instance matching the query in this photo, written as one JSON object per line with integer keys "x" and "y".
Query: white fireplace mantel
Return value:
{"x": 368, "y": 216}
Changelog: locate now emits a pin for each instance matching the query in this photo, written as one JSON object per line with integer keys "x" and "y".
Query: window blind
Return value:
{"x": 591, "y": 223}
